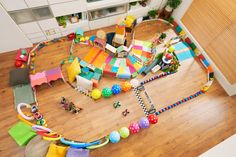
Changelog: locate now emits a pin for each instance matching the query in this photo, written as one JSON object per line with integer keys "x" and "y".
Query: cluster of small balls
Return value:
{"x": 134, "y": 128}
{"x": 108, "y": 92}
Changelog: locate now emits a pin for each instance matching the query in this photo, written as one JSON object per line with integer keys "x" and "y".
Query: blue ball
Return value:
{"x": 114, "y": 137}
{"x": 116, "y": 89}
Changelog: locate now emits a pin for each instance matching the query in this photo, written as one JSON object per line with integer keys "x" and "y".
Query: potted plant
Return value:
{"x": 162, "y": 36}
{"x": 152, "y": 14}
{"x": 143, "y": 3}
{"x": 169, "y": 8}
{"x": 133, "y": 3}
{"x": 62, "y": 20}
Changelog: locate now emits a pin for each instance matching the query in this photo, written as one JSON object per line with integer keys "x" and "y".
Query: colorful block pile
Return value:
{"x": 142, "y": 50}
{"x": 90, "y": 73}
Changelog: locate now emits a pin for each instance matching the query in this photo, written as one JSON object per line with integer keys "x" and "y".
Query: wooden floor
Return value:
{"x": 187, "y": 130}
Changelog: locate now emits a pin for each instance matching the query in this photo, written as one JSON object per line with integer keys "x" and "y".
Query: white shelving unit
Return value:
{"x": 37, "y": 18}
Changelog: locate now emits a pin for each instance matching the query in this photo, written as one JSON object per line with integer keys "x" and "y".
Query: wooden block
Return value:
{"x": 95, "y": 83}
{"x": 83, "y": 82}
{"x": 210, "y": 69}
{"x": 97, "y": 76}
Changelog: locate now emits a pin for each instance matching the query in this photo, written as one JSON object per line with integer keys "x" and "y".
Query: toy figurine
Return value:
{"x": 70, "y": 106}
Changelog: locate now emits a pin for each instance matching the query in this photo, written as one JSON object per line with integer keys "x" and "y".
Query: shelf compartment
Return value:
{"x": 107, "y": 12}
{"x": 42, "y": 13}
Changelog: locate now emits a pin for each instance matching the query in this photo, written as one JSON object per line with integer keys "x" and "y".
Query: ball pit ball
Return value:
{"x": 134, "y": 83}
{"x": 134, "y": 128}
{"x": 114, "y": 137}
{"x": 169, "y": 56}
{"x": 18, "y": 63}
{"x": 171, "y": 49}
{"x": 143, "y": 123}
{"x": 152, "y": 118}
{"x": 96, "y": 94}
{"x": 106, "y": 92}
{"x": 116, "y": 89}
{"x": 126, "y": 86}
{"x": 124, "y": 132}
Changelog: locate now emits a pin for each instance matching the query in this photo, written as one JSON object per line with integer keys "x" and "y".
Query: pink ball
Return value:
{"x": 134, "y": 128}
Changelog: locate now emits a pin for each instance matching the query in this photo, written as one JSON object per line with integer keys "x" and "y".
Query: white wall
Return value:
{"x": 12, "y": 37}
{"x": 157, "y": 4}
{"x": 182, "y": 8}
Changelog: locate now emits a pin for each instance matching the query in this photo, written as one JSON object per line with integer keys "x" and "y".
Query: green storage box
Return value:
{"x": 21, "y": 133}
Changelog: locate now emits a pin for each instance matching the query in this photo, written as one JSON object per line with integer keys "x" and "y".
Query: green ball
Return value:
{"x": 106, "y": 92}
{"x": 124, "y": 132}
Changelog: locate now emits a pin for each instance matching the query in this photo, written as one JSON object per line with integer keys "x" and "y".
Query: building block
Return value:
{"x": 147, "y": 44}
{"x": 91, "y": 67}
{"x": 205, "y": 62}
{"x": 83, "y": 63}
{"x": 134, "y": 74}
{"x": 84, "y": 83}
{"x": 122, "y": 62}
{"x": 114, "y": 69}
{"x": 85, "y": 70}
{"x": 108, "y": 70}
{"x": 120, "y": 30}
{"x": 201, "y": 57}
{"x": 210, "y": 69}
{"x": 128, "y": 62}
{"x": 174, "y": 24}
{"x": 123, "y": 76}
{"x": 137, "y": 51}
{"x": 147, "y": 49}
{"x": 187, "y": 40}
{"x": 112, "y": 62}
{"x": 132, "y": 59}
{"x": 197, "y": 52}
{"x": 97, "y": 70}
{"x": 23, "y": 54}
{"x": 211, "y": 75}
{"x": 182, "y": 33}
{"x": 21, "y": 133}
{"x": 132, "y": 69}
{"x": 137, "y": 47}
{"x": 141, "y": 69}
{"x": 117, "y": 63}
{"x": 95, "y": 83}
{"x": 193, "y": 46}
{"x": 137, "y": 66}
{"x": 109, "y": 58}
{"x": 121, "y": 70}
{"x": 100, "y": 60}
{"x": 91, "y": 55}
{"x": 178, "y": 29}
{"x": 96, "y": 76}
{"x": 87, "y": 76}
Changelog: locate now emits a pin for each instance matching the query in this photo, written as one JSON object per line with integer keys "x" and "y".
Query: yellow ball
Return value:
{"x": 96, "y": 94}
{"x": 171, "y": 49}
